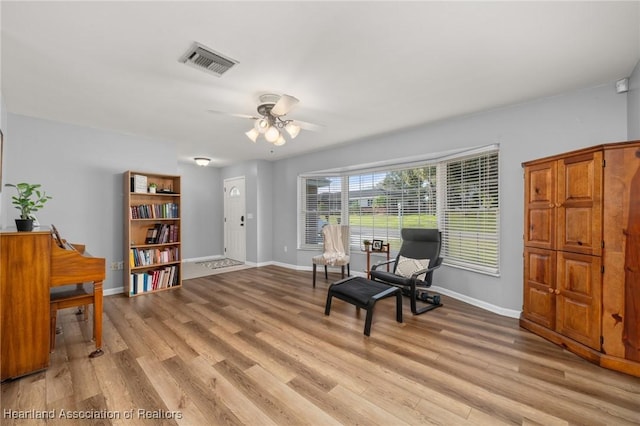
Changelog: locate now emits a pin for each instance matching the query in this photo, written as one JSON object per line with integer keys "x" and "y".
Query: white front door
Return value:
{"x": 235, "y": 219}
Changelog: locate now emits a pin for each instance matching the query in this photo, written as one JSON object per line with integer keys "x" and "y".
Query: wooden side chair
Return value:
{"x": 330, "y": 249}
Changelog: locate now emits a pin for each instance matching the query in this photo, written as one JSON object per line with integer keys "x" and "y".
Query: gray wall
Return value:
{"x": 259, "y": 207}
{"x": 3, "y": 127}
{"x": 633, "y": 99}
{"x": 202, "y": 213}
{"x": 82, "y": 169}
{"x": 524, "y": 132}
{"x": 266, "y": 211}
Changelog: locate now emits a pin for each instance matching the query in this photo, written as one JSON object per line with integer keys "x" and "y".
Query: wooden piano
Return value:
{"x": 72, "y": 265}
{"x": 37, "y": 269}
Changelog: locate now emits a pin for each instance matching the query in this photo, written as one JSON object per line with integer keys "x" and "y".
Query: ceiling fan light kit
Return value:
{"x": 272, "y": 108}
{"x": 262, "y": 124}
{"x": 253, "y": 134}
{"x": 292, "y": 129}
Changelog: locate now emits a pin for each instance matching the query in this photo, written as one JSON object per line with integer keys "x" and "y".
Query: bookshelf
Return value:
{"x": 152, "y": 233}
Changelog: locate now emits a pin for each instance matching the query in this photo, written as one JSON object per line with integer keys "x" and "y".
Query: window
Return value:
{"x": 457, "y": 194}
{"x": 469, "y": 214}
{"x": 381, "y": 203}
{"x": 321, "y": 204}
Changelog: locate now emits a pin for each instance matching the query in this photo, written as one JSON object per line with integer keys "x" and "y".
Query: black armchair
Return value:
{"x": 413, "y": 268}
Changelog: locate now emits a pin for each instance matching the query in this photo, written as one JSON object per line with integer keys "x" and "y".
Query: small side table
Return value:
{"x": 367, "y": 249}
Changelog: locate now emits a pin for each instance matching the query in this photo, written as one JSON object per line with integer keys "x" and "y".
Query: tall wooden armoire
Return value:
{"x": 582, "y": 253}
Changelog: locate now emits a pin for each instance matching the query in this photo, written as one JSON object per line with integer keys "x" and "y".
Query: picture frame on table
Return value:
{"x": 376, "y": 245}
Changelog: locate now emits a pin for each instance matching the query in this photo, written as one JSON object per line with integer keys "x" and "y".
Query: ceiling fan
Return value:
{"x": 272, "y": 123}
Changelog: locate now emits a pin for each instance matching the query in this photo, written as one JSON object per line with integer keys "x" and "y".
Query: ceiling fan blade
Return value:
{"x": 284, "y": 105}
{"x": 232, "y": 114}
{"x": 308, "y": 126}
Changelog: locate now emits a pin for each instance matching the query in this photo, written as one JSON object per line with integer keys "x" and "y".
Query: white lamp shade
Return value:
{"x": 272, "y": 134}
{"x": 262, "y": 125}
{"x": 253, "y": 134}
{"x": 280, "y": 141}
{"x": 292, "y": 129}
{"x": 202, "y": 161}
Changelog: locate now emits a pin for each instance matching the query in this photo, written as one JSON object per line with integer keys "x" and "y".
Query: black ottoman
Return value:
{"x": 363, "y": 293}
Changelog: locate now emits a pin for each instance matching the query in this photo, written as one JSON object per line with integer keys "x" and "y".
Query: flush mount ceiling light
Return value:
{"x": 202, "y": 161}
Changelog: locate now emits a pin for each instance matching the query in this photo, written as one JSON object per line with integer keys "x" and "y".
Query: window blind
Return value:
{"x": 320, "y": 204}
{"x": 469, "y": 213}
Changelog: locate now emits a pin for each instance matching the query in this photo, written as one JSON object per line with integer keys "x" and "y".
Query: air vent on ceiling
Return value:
{"x": 203, "y": 58}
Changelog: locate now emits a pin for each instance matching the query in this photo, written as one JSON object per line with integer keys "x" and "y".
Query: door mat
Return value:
{"x": 219, "y": 263}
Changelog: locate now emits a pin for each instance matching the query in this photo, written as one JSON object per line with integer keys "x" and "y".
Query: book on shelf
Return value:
{"x": 155, "y": 279}
{"x": 153, "y": 256}
{"x": 151, "y": 236}
{"x": 154, "y": 211}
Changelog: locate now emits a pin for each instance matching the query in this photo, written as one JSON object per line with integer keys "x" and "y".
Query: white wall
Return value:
{"x": 524, "y": 132}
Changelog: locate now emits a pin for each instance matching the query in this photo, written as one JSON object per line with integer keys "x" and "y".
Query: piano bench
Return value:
{"x": 68, "y": 297}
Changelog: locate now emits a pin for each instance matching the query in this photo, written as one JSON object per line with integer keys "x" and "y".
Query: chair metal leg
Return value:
{"x": 433, "y": 304}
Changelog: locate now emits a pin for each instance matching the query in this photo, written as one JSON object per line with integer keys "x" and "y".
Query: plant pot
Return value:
{"x": 152, "y": 190}
{"x": 24, "y": 224}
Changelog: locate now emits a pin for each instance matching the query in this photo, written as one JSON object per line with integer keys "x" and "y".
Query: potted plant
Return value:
{"x": 152, "y": 188}
{"x": 29, "y": 200}
{"x": 367, "y": 244}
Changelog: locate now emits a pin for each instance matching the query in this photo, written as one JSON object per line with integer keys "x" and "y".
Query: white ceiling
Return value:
{"x": 358, "y": 68}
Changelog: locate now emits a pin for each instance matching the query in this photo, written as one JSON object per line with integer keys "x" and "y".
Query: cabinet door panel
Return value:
{"x": 539, "y": 283}
{"x": 621, "y": 280}
{"x": 24, "y": 302}
{"x": 579, "y": 295}
{"x": 579, "y": 212}
{"x": 540, "y": 195}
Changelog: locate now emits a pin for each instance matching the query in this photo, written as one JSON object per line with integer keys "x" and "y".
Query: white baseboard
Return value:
{"x": 203, "y": 259}
{"x": 479, "y": 303}
{"x": 112, "y": 291}
{"x": 464, "y": 298}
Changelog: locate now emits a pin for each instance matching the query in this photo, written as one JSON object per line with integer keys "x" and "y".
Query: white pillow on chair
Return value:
{"x": 407, "y": 267}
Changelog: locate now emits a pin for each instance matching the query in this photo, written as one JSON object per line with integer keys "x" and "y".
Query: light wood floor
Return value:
{"x": 254, "y": 347}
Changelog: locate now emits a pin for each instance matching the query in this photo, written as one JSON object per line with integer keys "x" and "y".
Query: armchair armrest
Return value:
{"x": 423, "y": 271}
{"x": 386, "y": 262}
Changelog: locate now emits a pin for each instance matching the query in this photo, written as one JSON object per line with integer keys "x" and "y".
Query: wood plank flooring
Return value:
{"x": 254, "y": 347}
